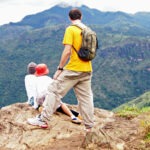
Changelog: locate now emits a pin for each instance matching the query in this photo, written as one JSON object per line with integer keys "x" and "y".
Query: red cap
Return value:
{"x": 41, "y": 69}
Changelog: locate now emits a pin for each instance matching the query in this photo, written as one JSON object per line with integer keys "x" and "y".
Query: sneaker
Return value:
{"x": 37, "y": 122}
{"x": 76, "y": 120}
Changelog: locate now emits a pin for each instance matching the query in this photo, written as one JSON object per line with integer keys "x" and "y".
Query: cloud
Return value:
{"x": 130, "y": 6}
{"x": 15, "y": 10}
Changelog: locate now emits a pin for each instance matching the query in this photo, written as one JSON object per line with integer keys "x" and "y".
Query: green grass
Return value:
{"x": 145, "y": 109}
{"x": 146, "y": 126}
{"x": 130, "y": 112}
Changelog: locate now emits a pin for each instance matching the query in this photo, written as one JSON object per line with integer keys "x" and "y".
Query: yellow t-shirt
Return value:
{"x": 73, "y": 37}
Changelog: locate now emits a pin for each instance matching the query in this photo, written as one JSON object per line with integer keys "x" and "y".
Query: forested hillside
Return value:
{"x": 121, "y": 69}
{"x": 140, "y": 102}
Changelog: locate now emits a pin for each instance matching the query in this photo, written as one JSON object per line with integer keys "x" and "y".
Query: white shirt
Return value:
{"x": 42, "y": 84}
{"x": 37, "y": 87}
{"x": 30, "y": 85}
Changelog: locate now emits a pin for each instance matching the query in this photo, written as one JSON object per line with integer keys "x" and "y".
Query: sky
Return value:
{"x": 15, "y": 10}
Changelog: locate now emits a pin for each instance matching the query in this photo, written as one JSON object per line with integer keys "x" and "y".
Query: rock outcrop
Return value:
{"x": 110, "y": 132}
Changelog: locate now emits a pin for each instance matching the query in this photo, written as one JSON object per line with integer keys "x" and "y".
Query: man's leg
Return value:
{"x": 51, "y": 103}
{"x": 84, "y": 95}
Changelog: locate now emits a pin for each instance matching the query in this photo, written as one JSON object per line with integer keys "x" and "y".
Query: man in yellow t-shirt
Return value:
{"x": 73, "y": 38}
{"x": 72, "y": 72}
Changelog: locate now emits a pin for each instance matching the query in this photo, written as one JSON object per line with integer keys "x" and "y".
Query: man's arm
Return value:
{"x": 64, "y": 58}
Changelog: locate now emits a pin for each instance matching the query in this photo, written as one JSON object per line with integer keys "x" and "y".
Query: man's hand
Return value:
{"x": 57, "y": 73}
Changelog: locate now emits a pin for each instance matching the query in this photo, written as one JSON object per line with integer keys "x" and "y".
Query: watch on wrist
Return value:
{"x": 59, "y": 68}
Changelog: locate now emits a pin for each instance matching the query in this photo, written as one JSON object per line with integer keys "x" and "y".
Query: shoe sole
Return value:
{"x": 44, "y": 127}
{"x": 76, "y": 122}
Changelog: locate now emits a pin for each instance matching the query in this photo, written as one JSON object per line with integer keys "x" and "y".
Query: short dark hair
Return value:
{"x": 31, "y": 67}
{"x": 75, "y": 14}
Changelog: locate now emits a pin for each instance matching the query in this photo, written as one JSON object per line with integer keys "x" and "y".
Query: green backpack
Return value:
{"x": 89, "y": 44}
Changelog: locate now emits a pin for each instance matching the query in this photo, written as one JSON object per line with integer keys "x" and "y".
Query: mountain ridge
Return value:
{"x": 56, "y": 12}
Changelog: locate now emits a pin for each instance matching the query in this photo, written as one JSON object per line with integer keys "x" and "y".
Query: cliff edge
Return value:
{"x": 110, "y": 133}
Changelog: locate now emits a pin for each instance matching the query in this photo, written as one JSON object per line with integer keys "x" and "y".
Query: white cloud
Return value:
{"x": 15, "y": 10}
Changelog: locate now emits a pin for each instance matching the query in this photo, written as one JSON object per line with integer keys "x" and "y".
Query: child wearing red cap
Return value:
{"x": 42, "y": 83}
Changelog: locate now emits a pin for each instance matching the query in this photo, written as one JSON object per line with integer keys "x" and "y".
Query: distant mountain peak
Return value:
{"x": 65, "y": 4}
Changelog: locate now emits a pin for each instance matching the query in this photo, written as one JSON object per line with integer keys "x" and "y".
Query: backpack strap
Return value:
{"x": 74, "y": 49}
{"x": 81, "y": 26}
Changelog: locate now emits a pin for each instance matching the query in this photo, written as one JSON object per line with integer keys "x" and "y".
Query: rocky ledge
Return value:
{"x": 110, "y": 133}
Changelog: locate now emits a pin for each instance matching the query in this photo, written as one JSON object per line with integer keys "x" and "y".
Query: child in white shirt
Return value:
{"x": 30, "y": 85}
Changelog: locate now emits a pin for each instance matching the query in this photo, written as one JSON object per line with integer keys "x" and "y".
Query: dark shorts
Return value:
{"x": 73, "y": 112}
